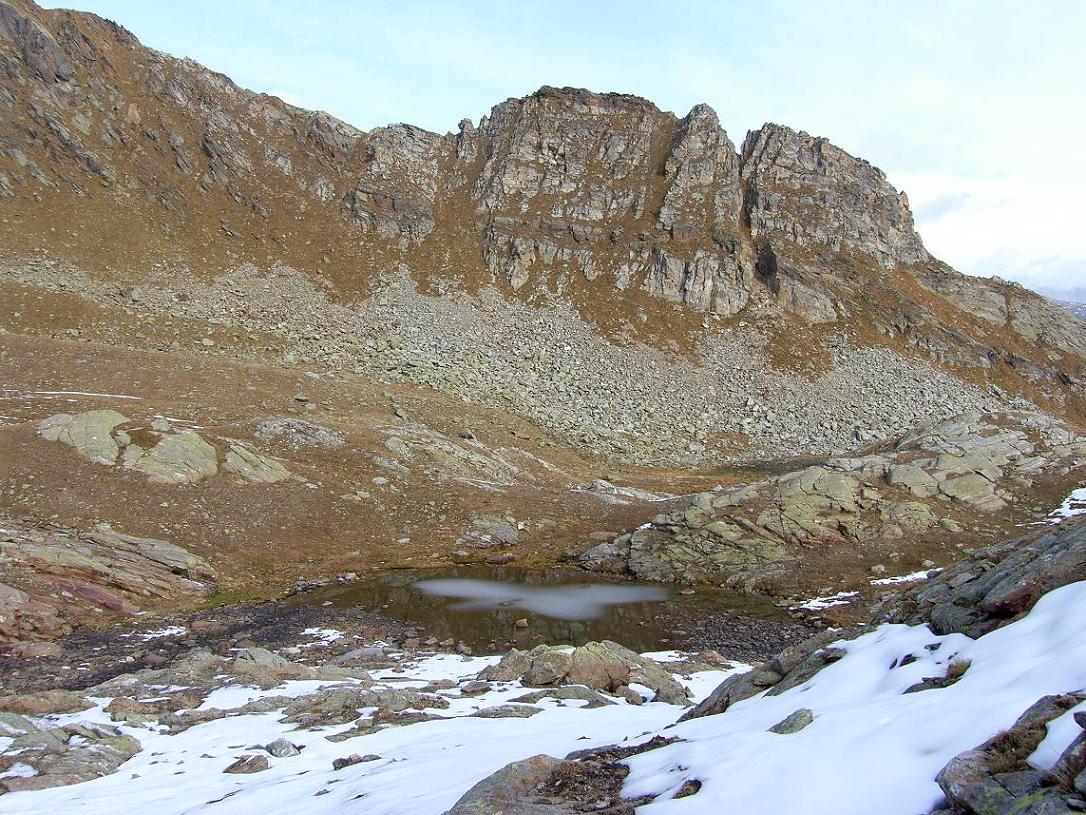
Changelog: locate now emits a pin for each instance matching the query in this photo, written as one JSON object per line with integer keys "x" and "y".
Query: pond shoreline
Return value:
{"x": 89, "y": 655}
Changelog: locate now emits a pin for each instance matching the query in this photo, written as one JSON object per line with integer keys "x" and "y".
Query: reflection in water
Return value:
{"x": 584, "y": 601}
{"x": 482, "y": 606}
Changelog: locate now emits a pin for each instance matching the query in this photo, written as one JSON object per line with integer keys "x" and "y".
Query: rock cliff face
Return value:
{"x": 806, "y": 191}
{"x": 602, "y": 199}
{"x": 609, "y": 187}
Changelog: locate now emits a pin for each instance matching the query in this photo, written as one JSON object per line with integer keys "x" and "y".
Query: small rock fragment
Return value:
{"x": 281, "y": 748}
{"x": 249, "y": 763}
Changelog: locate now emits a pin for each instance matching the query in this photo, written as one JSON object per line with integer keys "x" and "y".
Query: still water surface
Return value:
{"x": 577, "y": 601}
{"x": 481, "y": 606}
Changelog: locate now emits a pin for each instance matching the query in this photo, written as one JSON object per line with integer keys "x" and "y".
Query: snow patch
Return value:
{"x": 323, "y": 636}
{"x": 182, "y": 774}
{"x": 168, "y": 631}
{"x": 1074, "y": 504}
{"x": 842, "y": 598}
{"x": 19, "y": 770}
{"x": 11, "y": 393}
{"x": 1061, "y": 732}
{"x": 914, "y": 577}
{"x": 872, "y": 747}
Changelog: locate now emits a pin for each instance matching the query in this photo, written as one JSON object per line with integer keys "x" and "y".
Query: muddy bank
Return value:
{"x": 309, "y": 631}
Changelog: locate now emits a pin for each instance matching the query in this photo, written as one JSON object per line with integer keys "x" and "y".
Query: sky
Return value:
{"x": 976, "y": 108}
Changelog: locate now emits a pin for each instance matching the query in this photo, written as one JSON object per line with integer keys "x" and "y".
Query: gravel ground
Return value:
{"x": 621, "y": 398}
{"x": 90, "y": 656}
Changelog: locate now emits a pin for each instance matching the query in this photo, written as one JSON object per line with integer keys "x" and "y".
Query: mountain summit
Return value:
{"x": 651, "y": 228}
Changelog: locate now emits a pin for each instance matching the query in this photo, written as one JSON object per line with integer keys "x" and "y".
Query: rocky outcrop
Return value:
{"x": 791, "y": 667}
{"x": 589, "y": 150}
{"x": 508, "y": 791}
{"x": 810, "y": 193}
{"x": 590, "y": 780}
{"x": 91, "y": 433}
{"x": 996, "y": 584}
{"x": 298, "y": 434}
{"x": 694, "y": 250}
{"x": 58, "y": 756}
{"x": 585, "y": 781}
{"x": 177, "y": 456}
{"x": 44, "y": 703}
{"x": 27, "y": 617}
{"x": 1006, "y": 304}
{"x": 55, "y": 573}
{"x": 722, "y": 218}
{"x": 995, "y": 778}
{"x": 342, "y": 705}
{"x": 253, "y": 467}
{"x": 702, "y": 172}
{"x": 965, "y": 467}
{"x": 397, "y": 186}
{"x": 43, "y": 56}
{"x": 603, "y": 666}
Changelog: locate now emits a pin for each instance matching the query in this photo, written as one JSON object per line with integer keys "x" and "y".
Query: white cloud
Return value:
{"x": 1017, "y": 226}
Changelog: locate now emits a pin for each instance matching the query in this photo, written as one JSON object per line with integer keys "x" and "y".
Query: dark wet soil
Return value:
{"x": 90, "y": 656}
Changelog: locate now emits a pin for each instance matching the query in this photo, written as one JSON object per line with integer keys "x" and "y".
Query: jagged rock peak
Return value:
{"x": 593, "y": 101}
{"x": 596, "y": 196}
{"x": 813, "y": 193}
{"x": 704, "y": 169}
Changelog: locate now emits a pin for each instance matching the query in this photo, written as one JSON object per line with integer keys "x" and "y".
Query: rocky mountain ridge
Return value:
{"x": 642, "y": 221}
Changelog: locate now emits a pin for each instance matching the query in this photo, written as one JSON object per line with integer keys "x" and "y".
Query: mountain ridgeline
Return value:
{"x": 630, "y": 214}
